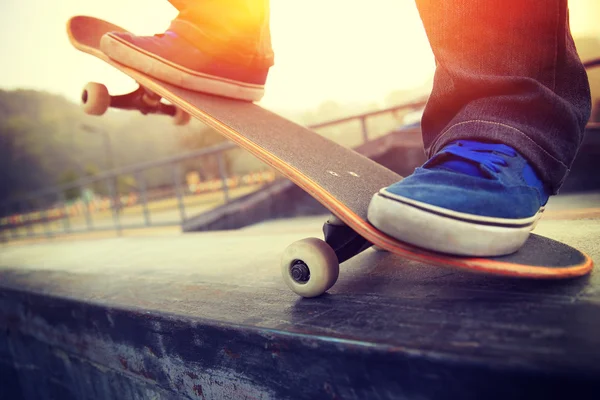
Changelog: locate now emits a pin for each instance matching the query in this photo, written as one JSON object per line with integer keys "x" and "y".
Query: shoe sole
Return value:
{"x": 446, "y": 231}
{"x": 160, "y": 68}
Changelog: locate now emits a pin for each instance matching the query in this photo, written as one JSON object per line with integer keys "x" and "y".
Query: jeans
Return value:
{"x": 506, "y": 71}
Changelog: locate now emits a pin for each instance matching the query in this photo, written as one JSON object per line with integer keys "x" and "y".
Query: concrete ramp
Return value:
{"x": 278, "y": 199}
{"x": 399, "y": 151}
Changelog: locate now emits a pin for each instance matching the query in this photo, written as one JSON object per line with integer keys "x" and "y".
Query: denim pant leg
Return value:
{"x": 237, "y": 30}
{"x": 507, "y": 71}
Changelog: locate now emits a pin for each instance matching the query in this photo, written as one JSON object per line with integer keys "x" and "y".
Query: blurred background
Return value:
{"x": 62, "y": 171}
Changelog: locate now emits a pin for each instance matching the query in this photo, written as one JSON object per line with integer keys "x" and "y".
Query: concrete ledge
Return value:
{"x": 206, "y": 316}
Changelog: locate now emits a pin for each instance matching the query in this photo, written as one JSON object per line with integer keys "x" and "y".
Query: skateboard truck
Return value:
{"x": 343, "y": 240}
{"x": 96, "y": 100}
{"x": 311, "y": 266}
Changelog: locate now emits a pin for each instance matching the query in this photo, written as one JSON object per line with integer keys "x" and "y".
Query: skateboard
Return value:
{"x": 341, "y": 179}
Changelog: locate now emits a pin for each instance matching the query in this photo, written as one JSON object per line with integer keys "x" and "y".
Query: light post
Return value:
{"x": 110, "y": 165}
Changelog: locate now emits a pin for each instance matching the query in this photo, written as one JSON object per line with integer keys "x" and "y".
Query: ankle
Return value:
{"x": 246, "y": 51}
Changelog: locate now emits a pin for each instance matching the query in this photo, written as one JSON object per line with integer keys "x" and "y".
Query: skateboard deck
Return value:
{"x": 339, "y": 178}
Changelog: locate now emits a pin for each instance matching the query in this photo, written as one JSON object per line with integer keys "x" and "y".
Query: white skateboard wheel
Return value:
{"x": 181, "y": 117}
{"x": 309, "y": 267}
{"x": 95, "y": 98}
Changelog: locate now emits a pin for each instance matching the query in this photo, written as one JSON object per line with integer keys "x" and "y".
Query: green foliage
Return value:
{"x": 68, "y": 177}
{"x": 43, "y": 144}
{"x": 126, "y": 184}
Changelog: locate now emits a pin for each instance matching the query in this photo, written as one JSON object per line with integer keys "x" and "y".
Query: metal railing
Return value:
{"x": 364, "y": 116}
{"x": 23, "y": 218}
{"x": 20, "y": 217}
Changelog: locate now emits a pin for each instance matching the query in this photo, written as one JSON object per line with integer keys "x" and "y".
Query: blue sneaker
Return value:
{"x": 471, "y": 198}
{"x": 173, "y": 59}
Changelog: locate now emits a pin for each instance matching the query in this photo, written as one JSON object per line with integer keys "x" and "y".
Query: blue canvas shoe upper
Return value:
{"x": 483, "y": 179}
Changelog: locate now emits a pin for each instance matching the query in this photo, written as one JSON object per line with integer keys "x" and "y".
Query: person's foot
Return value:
{"x": 173, "y": 59}
{"x": 471, "y": 198}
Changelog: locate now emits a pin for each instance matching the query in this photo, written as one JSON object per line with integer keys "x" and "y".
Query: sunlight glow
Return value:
{"x": 336, "y": 50}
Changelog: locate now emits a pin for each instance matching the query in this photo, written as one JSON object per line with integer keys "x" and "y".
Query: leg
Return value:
{"x": 507, "y": 71}
{"x": 502, "y": 126}
{"x": 218, "y": 47}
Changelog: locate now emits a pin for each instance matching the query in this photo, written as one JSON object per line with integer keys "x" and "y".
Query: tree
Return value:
{"x": 66, "y": 178}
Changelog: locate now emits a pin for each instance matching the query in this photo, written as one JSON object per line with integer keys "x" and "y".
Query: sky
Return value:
{"x": 339, "y": 50}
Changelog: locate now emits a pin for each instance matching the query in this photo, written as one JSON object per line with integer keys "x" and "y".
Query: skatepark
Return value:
{"x": 160, "y": 276}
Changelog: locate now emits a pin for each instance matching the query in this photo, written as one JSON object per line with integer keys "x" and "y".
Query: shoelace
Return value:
{"x": 481, "y": 153}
